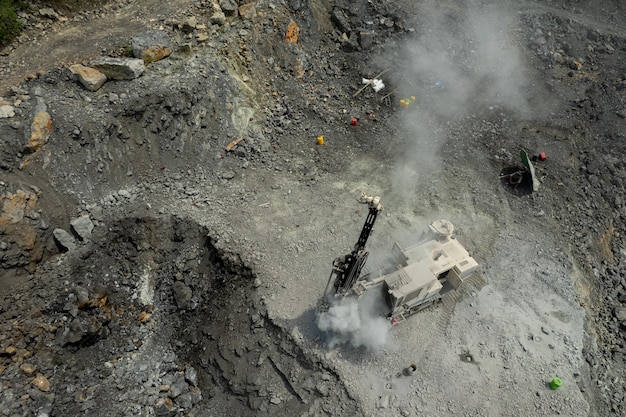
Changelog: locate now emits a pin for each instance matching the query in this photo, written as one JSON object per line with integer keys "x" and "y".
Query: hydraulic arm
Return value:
{"x": 347, "y": 268}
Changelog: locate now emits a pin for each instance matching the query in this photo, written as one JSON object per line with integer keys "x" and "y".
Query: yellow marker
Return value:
{"x": 320, "y": 140}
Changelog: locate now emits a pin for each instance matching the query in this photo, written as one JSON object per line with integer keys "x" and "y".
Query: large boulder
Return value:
{"x": 119, "y": 68}
{"x": 64, "y": 239}
{"x": 82, "y": 226}
{"x": 151, "y": 46}
{"x": 90, "y": 78}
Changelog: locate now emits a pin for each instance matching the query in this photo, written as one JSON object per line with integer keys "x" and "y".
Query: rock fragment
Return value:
{"x": 164, "y": 406}
{"x": 49, "y": 13}
{"x": 90, "y": 78}
{"x": 292, "y": 33}
{"x": 247, "y": 11}
{"x": 228, "y": 175}
{"x": 182, "y": 295}
{"x": 340, "y": 20}
{"x": 63, "y": 238}
{"x": 144, "y": 317}
{"x": 218, "y": 18}
{"x": 82, "y": 295}
{"x": 366, "y": 39}
{"x": 191, "y": 375}
{"x": 178, "y": 387}
{"x": 119, "y": 68}
{"x": 41, "y": 382}
{"x": 151, "y": 46}
{"x": 189, "y": 25}
{"x": 82, "y": 226}
{"x": 28, "y": 368}
{"x": 40, "y": 130}
{"x": 229, "y": 7}
{"x": 82, "y": 331}
{"x": 185, "y": 400}
{"x": 6, "y": 111}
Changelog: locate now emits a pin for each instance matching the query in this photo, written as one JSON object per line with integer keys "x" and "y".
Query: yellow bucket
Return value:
{"x": 320, "y": 140}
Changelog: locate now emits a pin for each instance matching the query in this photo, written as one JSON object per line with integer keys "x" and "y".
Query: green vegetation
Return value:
{"x": 128, "y": 50}
{"x": 9, "y": 24}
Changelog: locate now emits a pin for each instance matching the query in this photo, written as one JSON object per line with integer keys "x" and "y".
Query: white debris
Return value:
{"x": 377, "y": 84}
{"x": 6, "y": 111}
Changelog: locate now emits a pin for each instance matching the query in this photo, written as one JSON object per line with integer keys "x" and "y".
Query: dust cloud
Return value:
{"x": 458, "y": 64}
{"x": 355, "y": 322}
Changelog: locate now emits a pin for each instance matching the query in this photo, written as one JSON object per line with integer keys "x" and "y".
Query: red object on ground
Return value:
{"x": 542, "y": 156}
{"x": 353, "y": 122}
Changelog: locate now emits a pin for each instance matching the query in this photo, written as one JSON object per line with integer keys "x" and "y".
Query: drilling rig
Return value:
{"x": 414, "y": 277}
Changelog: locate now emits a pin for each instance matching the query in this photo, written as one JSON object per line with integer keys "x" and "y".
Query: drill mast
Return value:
{"x": 347, "y": 268}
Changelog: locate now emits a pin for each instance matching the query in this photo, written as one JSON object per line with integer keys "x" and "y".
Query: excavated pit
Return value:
{"x": 157, "y": 321}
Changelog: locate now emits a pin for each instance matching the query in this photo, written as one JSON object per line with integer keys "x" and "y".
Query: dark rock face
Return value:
{"x": 155, "y": 298}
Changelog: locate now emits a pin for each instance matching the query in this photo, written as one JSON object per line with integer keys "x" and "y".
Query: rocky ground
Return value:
{"x": 165, "y": 236}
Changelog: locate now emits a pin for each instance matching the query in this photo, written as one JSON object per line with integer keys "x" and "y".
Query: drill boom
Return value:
{"x": 347, "y": 269}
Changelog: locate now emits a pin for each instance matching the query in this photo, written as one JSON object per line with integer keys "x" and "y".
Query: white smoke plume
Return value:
{"x": 460, "y": 62}
{"x": 357, "y": 323}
